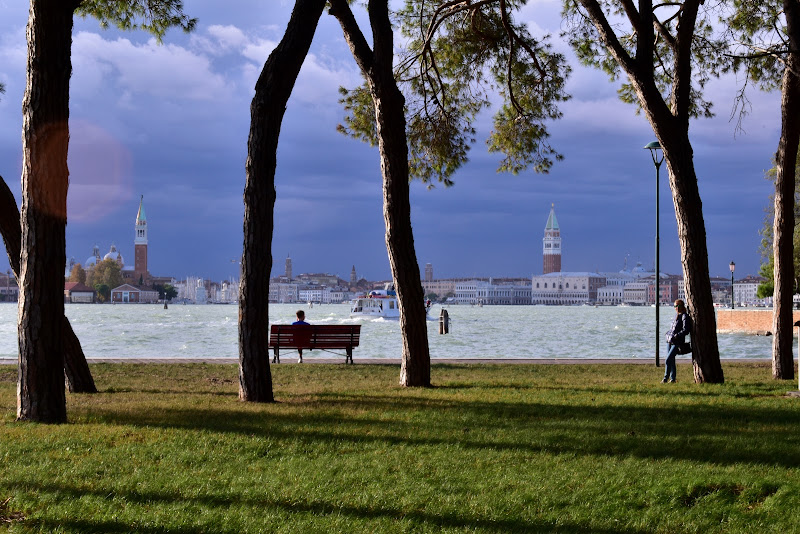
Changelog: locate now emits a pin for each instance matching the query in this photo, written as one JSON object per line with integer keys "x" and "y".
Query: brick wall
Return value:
{"x": 748, "y": 321}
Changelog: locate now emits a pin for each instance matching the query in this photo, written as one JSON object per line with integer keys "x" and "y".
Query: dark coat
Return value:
{"x": 681, "y": 326}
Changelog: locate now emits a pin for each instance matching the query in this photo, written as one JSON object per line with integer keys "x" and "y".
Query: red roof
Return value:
{"x": 77, "y": 287}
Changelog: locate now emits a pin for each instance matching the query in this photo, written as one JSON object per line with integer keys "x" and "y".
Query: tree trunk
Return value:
{"x": 415, "y": 368}
{"x": 79, "y": 377}
{"x": 694, "y": 254}
{"x": 273, "y": 89}
{"x": 783, "y": 229}
{"x": 45, "y": 179}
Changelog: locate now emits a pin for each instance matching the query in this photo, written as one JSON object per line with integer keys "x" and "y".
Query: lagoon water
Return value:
{"x": 210, "y": 331}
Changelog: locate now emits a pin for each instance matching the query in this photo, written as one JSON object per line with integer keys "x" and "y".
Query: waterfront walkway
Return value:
{"x": 396, "y": 361}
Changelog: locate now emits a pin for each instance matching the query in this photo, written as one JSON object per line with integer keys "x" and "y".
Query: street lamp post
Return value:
{"x": 733, "y": 268}
{"x": 655, "y": 151}
{"x": 8, "y": 291}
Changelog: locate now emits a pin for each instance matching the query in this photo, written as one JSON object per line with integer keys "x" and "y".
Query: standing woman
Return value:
{"x": 681, "y": 325}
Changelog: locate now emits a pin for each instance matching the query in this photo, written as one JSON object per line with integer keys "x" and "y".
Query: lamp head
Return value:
{"x": 732, "y": 266}
{"x": 654, "y": 145}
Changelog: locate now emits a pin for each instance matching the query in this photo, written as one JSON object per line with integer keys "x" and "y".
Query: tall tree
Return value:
{"x": 272, "y": 92}
{"x": 766, "y": 248}
{"x": 667, "y": 53}
{"x": 454, "y": 47}
{"x": 45, "y": 180}
{"x": 769, "y": 33}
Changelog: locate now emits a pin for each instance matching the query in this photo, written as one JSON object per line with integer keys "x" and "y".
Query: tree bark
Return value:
{"x": 272, "y": 92}
{"x": 45, "y": 179}
{"x": 783, "y": 229}
{"x": 694, "y": 254}
{"x": 79, "y": 377}
{"x": 377, "y": 67}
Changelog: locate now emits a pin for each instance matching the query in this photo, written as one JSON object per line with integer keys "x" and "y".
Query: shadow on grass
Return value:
{"x": 701, "y": 432}
{"x": 312, "y": 507}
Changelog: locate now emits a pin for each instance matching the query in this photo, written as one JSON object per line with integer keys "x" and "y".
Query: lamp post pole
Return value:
{"x": 8, "y": 290}
{"x": 655, "y": 151}
{"x": 733, "y": 302}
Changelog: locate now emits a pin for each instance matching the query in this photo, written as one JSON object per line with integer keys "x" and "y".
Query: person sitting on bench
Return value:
{"x": 301, "y": 319}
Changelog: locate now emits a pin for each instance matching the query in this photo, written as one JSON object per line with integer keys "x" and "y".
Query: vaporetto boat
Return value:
{"x": 376, "y": 303}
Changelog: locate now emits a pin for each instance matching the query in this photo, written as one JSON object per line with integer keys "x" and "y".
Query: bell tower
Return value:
{"x": 140, "y": 245}
{"x": 551, "y": 244}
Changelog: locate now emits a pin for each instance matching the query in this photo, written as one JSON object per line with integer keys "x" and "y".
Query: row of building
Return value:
{"x": 634, "y": 287}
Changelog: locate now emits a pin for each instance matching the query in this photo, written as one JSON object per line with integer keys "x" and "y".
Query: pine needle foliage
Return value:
{"x": 707, "y": 48}
{"x": 457, "y": 58}
{"x": 152, "y": 16}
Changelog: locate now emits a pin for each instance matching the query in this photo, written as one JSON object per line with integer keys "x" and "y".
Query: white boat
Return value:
{"x": 376, "y": 303}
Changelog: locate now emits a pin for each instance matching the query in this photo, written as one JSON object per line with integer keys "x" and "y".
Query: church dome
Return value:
{"x": 91, "y": 262}
{"x": 114, "y": 254}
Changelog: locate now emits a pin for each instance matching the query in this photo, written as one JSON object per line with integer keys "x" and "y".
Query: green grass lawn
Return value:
{"x": 496, "y": 448}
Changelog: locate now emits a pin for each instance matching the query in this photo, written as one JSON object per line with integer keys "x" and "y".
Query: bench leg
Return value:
{"x": 276, "y": 358}
{"x": 349, "y": 356}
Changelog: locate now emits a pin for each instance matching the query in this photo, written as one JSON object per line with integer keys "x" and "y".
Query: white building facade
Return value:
{"x": 566, "y": 288}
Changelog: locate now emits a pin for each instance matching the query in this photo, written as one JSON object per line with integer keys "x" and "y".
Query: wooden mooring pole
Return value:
{"x": 444, "y": 322}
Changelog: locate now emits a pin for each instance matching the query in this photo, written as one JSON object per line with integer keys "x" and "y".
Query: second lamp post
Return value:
{"x": 655, "y": 151}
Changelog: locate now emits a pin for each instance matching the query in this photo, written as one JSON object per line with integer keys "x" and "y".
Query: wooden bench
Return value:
{"x": 314, "y": 336}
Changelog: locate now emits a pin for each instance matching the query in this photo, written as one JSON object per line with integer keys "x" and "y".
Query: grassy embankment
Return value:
{"x": 508, "y": 448}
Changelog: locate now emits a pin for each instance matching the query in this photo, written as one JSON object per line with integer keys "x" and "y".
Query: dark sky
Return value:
{"x": 170, "y": 122}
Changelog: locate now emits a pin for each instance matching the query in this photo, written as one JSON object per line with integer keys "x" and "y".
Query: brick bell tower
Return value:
{"x": 551, "y": 244}
{"x": 140, "y": 245}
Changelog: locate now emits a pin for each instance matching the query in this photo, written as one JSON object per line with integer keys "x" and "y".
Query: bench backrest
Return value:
{"x": 315, "y": 336}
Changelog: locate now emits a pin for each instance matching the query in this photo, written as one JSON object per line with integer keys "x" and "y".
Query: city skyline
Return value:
{"x": 170, "y": 122}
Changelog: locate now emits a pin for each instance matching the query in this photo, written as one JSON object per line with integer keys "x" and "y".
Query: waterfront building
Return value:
{"x": 440, "y": 288}
{"x": 721, "y": 290}
{"x": 635, "y": 293}
{"x": 322, "y": 279}
{"x": 613, "y": 292}
{"x": 564, "y": 289}
{"x": 288, "y": 268}
{"x": 551, "y": 244}
{"x": 507, "y": 294}
{"x": 466, "y": 292}
{"x": 8, "y": 287}
{"x": 667, "y": 286}
{"x": 336, "y": 295}
{"x": 310, "y": 293}
{"x": 128, "y": 294}
{"x": 75, "y": 292}
{"x": 744, "y": 292}
{"x": 282, "y": 292}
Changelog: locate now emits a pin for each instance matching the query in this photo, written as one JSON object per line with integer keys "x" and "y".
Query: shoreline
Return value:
{"x": 396, "y": 361}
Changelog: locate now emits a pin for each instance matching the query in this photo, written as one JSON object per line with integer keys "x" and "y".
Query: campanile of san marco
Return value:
{"x": 551, "y": 244}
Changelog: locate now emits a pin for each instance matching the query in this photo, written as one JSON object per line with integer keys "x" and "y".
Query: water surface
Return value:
{"x": 210, "y": 331}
